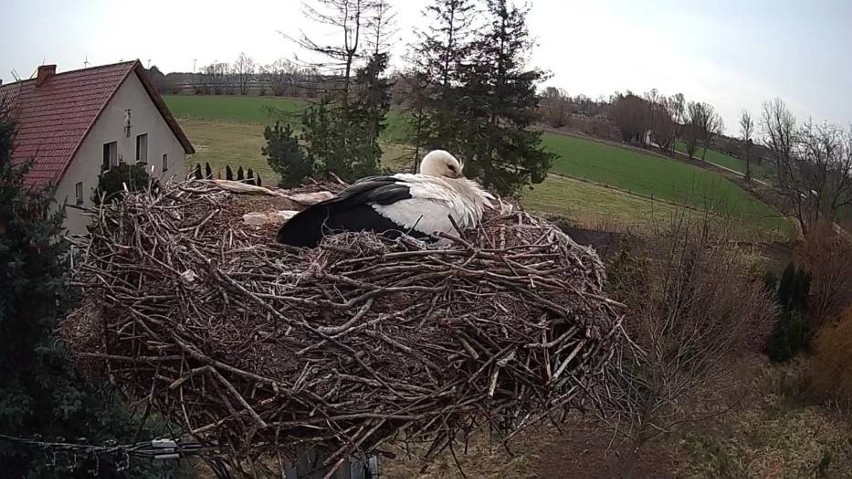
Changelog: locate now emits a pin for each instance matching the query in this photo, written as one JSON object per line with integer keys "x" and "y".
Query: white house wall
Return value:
{"x": 109, "y": 127}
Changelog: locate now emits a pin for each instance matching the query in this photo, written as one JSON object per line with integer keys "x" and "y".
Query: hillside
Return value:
{"x": 635, "y": 187}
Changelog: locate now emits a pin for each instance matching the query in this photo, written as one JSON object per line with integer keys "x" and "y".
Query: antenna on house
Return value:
{"x": 86, "y": 61}
{"x": 149, "y": 63}
{"x": 193, "y": 64}
{"x": 15, "y": 75}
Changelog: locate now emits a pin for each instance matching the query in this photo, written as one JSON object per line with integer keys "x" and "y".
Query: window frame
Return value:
{"x": 78, "y": 193}
{"x": 139, "y": 157}
{"x": 165, "y": 162}
{"x": 110, "y": 156}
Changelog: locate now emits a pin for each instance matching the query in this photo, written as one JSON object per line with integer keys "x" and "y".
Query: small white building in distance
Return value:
{"x": 76, "y": 124}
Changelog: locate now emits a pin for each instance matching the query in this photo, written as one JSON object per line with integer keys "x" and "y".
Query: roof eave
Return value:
{"x": 163, "y": 109}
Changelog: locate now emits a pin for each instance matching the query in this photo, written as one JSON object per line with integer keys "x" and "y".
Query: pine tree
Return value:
{"x": 341, "y": 131}
{"x": 285, "y": 156}
{"x": 250, "y": 176}
{"x": 240, "y": 174}
{"x": 197, "y": 172}
{"x": 208, "y": 172}
{"x": 501, "y": 102}
{"x": 229, "y": 175}
{"x": 437, "y": 119}
{"x": 257, "y": 181}
{"x": 40, "y": 393}
{"x": 479, "y": 97}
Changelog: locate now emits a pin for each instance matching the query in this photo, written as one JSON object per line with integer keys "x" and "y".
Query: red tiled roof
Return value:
{"x": 54, "y": 119}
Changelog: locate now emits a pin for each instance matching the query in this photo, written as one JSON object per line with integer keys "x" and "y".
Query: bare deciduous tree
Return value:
{"x": 826, "y": 254}
{"x": 280, "y": 75}
{"x": 747, "y": 130}
{"x": 244, "y": 68}
{"x": 692, "y": 308}
{"x": 676, "y": 105}
{"x": 692, "y": 130}
{"x": 659, "y": 119}
{"x": 703, "y": 123}
{"x": 348, "y": 18}
{"x": 555, "y": 107}
{"x": 779, "y": 128}
{"x": 628, "y": 112}
{"x": 819, "y": 173}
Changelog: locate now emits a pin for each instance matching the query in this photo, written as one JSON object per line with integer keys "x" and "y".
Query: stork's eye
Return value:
{"x": 451, "y": 167}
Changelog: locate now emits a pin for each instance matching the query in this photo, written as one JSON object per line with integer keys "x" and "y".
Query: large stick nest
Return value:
{"x": 264, "y": 348}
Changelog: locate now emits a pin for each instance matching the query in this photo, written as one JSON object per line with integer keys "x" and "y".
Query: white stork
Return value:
{"x": 415, "y": 204}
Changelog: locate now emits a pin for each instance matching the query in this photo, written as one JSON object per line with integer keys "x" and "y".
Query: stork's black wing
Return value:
{"x": 348, "y": 211}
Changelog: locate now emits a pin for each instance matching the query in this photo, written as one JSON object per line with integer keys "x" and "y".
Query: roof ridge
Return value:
{"x": 78, "y": 70}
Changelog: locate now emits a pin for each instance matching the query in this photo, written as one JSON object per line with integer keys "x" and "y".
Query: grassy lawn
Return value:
{"x": 657, "y": 177}
{"x": 761, "y": 172}
{"x": 260, "y": 110}
{"x": 239, "y": 144}
{"x": 229, "y": 130}
{"x": 592, "y": 205}
{"x": 238, "y": 109}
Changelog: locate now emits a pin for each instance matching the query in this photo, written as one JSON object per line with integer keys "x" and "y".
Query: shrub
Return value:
{"x": 789, "y": 336}
{"x": 692, "y": 307}
{"x": 831, "y": 363}
{"x": 111, "y": 182}
{"x": 285, "y": 156}
{"x": 826, "y": 254}
{"x": 791, "y": 331}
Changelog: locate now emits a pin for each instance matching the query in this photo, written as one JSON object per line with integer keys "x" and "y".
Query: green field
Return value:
{"x": 229, "y": 130}
{"x": 656, "y": 177}
{"x": 259, "y": 110}
{"x": 238, "y": 109}
{"x": 761, "y": 172}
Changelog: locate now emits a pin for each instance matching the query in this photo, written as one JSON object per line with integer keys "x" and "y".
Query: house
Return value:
{"x": 76, "y": 124}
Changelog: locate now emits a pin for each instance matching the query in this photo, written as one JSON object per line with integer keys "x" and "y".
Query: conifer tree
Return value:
{"x": 341, "y": 131}
{"x": 437, "y": 67}
{"x": 240, "y": 173}
{"x": 501, "y": 147}
{"x": 479, "y": 100}
{"x": 229, "y": 174}
{"x": 208, "y": 172}
{"x": 285, "y": 156}
{"x": 197, "y": 172}
{"x": 40, "y": 392}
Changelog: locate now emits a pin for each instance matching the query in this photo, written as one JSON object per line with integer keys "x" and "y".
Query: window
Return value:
{"x": 110, "y": 155}
{"x": 78, "y": 192}
{"x": 142, "y": 148}
{"x": 165, "y": 162}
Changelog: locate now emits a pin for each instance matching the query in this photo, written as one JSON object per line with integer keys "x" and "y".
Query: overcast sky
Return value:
{"x": 732, "y": 54}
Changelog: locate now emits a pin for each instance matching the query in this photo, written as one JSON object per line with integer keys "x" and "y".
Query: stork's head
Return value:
{"x": 441, "y": 163}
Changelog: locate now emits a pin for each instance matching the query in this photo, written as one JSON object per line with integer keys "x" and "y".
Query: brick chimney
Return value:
{"x": 44, "y": 72}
